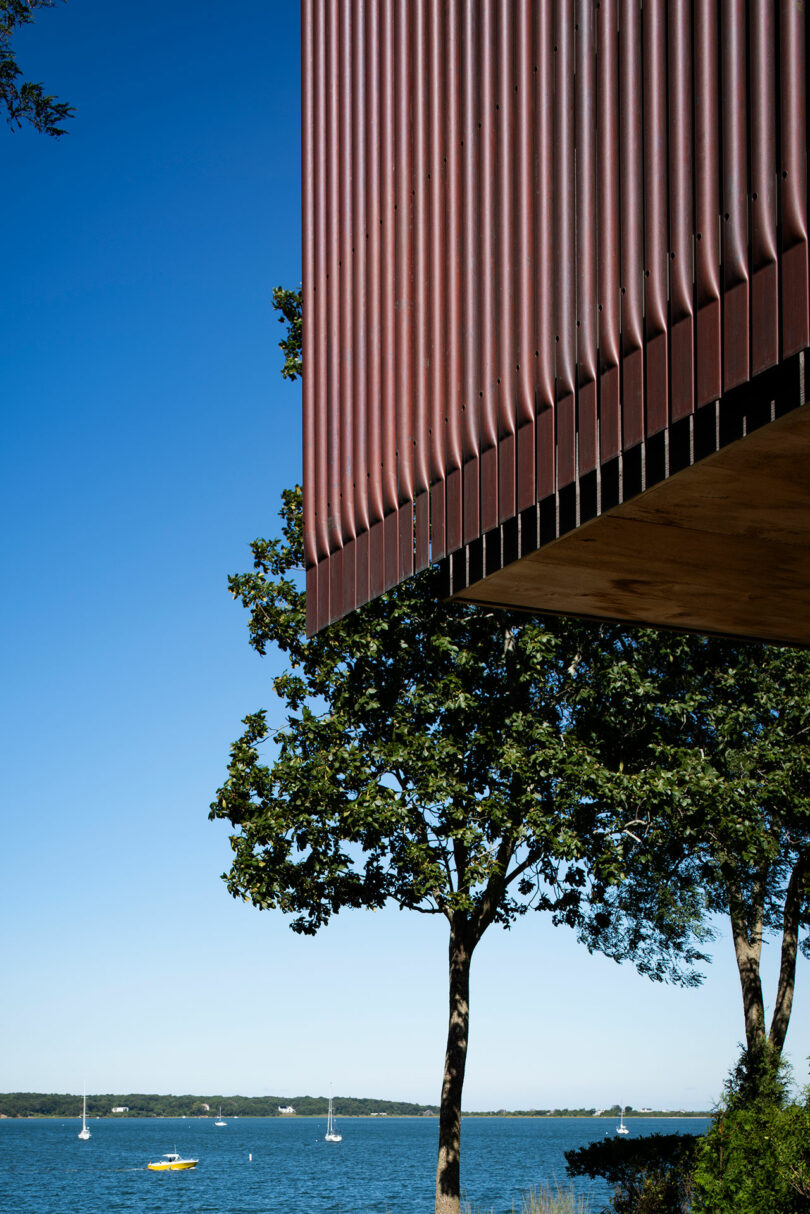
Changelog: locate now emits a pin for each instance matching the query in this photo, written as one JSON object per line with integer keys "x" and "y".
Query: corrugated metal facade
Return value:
{"x": 540, "y": 238}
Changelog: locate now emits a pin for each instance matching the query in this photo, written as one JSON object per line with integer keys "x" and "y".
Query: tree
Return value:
{"x": 715, "y": 736}
{"x": 430, "y": 758}
{"x": 706, "y": 743}
{"x": 26, "y": 102}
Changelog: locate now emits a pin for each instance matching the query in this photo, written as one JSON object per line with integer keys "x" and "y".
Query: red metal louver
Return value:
{"x": 545, "y": 242}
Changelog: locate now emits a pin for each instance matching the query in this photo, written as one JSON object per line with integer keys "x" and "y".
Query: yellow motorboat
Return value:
{"x": 172, "y": 1163}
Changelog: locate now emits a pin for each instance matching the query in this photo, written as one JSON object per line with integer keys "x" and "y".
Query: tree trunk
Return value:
{"x": 748, "y": 949}
{"x": 448, "y": 1176}
{"x": 787, "y": 967}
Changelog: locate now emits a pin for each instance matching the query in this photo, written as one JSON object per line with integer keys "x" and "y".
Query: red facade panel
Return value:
{"x": 538, "y": 235}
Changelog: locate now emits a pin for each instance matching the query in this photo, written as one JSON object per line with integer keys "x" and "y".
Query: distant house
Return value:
{"x": 207, "y": 1107}
{"x": 286, "y": 1110}
{"x": 121, "y": 1108}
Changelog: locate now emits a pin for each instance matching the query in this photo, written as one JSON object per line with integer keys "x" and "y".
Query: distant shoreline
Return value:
{"x": 500, "y": 1116}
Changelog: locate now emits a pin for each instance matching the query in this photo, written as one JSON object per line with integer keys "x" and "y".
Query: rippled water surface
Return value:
{"x": 382, "y": 1166}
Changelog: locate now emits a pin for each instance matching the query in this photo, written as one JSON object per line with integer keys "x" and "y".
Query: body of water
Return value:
{"x": 384, "y": 1165}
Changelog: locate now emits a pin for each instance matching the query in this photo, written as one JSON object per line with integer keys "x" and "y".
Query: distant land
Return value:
{"x": 139, "y": 1104}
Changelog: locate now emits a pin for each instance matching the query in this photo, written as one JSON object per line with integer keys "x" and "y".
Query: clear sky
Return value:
{"x": 147, "y": 436}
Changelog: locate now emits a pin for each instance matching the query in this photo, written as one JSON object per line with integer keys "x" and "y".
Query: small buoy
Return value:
{"x": 250, "y": 1158}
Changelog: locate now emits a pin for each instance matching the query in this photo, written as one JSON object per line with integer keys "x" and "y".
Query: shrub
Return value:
{"x": 650, "y": 1175}
{"x": 755, "y": 1159}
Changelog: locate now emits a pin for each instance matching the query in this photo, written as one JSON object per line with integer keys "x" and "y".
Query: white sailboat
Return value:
{"x": 219, "y": 1120}
{"x": 621, "y": 1128}
{"x": 84, "y": 1133}
{"x": 331, "y": 1133}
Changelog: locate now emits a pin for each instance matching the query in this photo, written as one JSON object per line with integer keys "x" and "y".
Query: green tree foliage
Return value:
{"x": 288, "y": 303}
{"x": 432, "y": 757}
{"x": 144, "y": 1104}
{"x": 703, "y": 745}
{"x": 476, "y": 765}
{"x": 23, "y": 100}
{"x": 709, "y": 743}
{"x": 650, "y": 1175}
{"x": 756, "y": 1157}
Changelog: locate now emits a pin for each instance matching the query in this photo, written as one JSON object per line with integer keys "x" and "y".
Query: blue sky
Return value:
{"x": 147, "y": 436}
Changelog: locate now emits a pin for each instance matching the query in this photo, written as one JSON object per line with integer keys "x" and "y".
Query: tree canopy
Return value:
{"x": 714, "y": 738}
{"x": 479, "y": 764}
{"x": 141, "y": 1104}
{"x": 435, "y": 755}
{"x": 25, "y": 101}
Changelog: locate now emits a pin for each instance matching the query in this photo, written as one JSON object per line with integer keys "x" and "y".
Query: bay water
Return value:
{"x": 384, "y": 1165}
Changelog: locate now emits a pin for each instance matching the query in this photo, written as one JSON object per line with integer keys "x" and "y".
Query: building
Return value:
{"x": 557, "y": 307}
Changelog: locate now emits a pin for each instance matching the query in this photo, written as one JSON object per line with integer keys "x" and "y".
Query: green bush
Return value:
{"x": 650, "y": 1175}
{"x": 755, "y": 1159}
